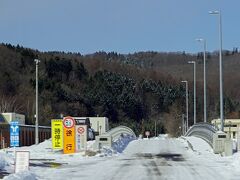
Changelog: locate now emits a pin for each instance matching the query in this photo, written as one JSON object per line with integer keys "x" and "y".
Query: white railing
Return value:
{"x": 203, "y": 130}
{"x": 116, "y": 132}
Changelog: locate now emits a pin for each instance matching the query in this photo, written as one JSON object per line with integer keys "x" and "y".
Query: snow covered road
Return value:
{"x": 160, "y": 158}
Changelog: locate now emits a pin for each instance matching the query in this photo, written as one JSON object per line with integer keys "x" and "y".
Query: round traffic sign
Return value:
{"x": 68, "y": 122}
{"x": 81, "y": 130}
{"x": 147, "y": 133}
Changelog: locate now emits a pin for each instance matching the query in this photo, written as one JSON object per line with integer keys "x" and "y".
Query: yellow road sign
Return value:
{"x": 57, "y": 133}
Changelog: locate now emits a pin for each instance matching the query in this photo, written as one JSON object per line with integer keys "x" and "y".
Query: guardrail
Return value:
{"x": 203, "y": 130}
{"x": 116, "y": 132}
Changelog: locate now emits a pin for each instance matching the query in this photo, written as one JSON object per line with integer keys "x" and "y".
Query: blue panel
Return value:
{"x": 14, "y": 134}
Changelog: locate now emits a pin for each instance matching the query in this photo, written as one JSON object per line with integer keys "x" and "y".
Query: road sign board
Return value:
{"x": 81, "y": 137}
{"x": 57, "y": 133}
{"x": 14, "y": 134}
{"x": 68, "y": 135}
{"x": 68, "y": 122}
{"x": 147, "y": 133}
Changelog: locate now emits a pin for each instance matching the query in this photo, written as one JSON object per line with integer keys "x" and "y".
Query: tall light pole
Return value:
{"x": 194, "y": 93}
{"x": 204, "y": 77}
{"x": 186, "y": 82}
{"x": 220, "y": 66}
{"x": 36, "y": 123}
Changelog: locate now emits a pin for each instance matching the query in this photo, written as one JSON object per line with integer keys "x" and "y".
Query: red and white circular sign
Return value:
{"x": 81, "y": 130}
{"x": 68, "y": 122}
{"x": 147, "y": 133}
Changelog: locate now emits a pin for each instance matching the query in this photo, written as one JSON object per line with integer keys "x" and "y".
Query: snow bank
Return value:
{"x": 25, "y": 175}
{"x": 199, "y": 144}
{"x": 43, "y": 152}
{"x": 122, "y": 143}
{"x": 2, "y": 161}
{"x": 43, "y": 147}
{"x": 6, "y": 161}
{"x": 117, "y": 146}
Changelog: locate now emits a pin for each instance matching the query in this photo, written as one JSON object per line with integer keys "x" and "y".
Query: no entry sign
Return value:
{"x": 81, "y": 130}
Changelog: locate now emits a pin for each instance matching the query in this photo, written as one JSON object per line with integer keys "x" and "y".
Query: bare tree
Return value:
{"x": 9, "y": 104}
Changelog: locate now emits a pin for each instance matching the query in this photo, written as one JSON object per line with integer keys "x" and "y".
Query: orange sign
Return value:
{"x": 68, "y": 135}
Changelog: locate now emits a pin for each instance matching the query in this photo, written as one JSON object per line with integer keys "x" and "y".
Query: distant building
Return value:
{"x": 231, "y": 126}
{"x": 99, "y": 124}
{"x": 6, "y": 118}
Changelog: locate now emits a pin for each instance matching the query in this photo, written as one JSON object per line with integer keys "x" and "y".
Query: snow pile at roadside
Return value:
{"x": 235, "y": 162}
{"x": 3, "y": 162}
{"x": 202, "y": 147}
{"x": 118, "y": 146}
{"x": 44, "y": 151}
{"x": 122, "y": 143}
{"x": 45, "y": 146}
{"x": 163, "y": 136}
{"x": 25, "y": 175}
{"x": 199, "y": 144}
{"x": 6, "y": 161}
{"x": 7, "y": 165}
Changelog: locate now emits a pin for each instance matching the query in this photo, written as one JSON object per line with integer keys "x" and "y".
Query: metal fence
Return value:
{"x": 26, "y": 135}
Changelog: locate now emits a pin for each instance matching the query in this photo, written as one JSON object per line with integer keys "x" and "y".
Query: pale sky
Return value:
{"x": 123, "y": 26}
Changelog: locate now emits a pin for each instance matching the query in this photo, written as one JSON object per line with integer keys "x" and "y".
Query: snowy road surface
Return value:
{"x": 163, "y": 158}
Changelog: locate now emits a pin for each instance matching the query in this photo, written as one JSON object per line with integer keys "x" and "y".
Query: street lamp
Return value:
{"x": 220, "y": 66}
{"x": 204, "y": 77}
{"x": 36, "y": 123}
{"x": 186, "y": 82}
{"x": 194, "y": 93}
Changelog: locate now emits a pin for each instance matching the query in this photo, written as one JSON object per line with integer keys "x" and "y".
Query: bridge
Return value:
{"x": 204, "y": 131}
{"x": 201, "y": 130}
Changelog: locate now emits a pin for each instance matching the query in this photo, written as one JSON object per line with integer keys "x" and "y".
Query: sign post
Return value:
{"x": 68, "y": 135}
{"x": 57, "y": 133}
{"x": 147, "y": 133}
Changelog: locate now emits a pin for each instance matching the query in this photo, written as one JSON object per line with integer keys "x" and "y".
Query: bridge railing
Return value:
{"x": 120, "y": 130}
{"x": 203, "y": 130}
{"x": 114, "y": 138}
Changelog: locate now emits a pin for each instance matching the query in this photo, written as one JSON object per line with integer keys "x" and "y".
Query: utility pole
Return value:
{"x": 36, "y": 123}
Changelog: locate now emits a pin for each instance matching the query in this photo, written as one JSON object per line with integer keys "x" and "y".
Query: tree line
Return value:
{"x": 139, "y": 90}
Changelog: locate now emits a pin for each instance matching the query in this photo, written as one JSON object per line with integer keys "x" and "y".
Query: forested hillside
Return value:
{"x": 135, "y": 89}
